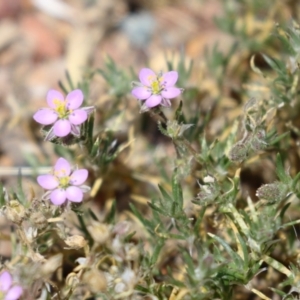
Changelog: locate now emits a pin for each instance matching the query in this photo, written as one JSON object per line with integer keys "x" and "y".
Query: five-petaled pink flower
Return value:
{"x": 63, "y": 184}
{"x": 65, "y": 114}
{"x": 8, "y": 291}
{"x": 156, "y": 89}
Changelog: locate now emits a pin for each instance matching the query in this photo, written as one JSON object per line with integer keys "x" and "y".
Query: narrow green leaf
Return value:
{"x": 60, "y": 84}
{"x": 179, "y": 114}
{"x": 95, "y": 148}
{"x": 295, "y": 181}
{"x": 92, "y": 214}
{"x": 143, "y": 220}
{"x": 274, "y": 64}
{"x": 91, "y": 125}
{"x": 158, "y": 209}
{"x": 83, "y": 227}
{"x": 293, "y": 223}
{"x": 280, "y": 293}
{"x": 189, "y": 262}
{"x": 177, "y": 236}
{"x": 280, "y": 171}
{"x": 165, "y": 194}
{"x": 157, "y": 248}
{"x": 278, "y": 138}
{"x": 142, "y": 289}
{"x": 156, "y": 217}
{"x": 237, "y": 259}
{"x": 174, "y": 209}
{"x": 177, "y": 190}
{"x": 245, "y": 250}
{"x": 287, "y": 44}
{"x": 284, "y": 209}
{"x": 69, "y": 79}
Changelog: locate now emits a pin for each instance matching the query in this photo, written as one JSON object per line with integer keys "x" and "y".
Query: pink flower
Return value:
{"x": 8, "y": 291}
{"x": 156, "y": 89}
{"x": 65, "y": 114}
{"x": 64, "y": 184}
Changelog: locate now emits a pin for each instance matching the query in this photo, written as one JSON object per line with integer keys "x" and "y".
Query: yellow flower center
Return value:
{"x": 156, "y": 87}
{"x": 64, "y": 182}
{"x": 60, "y": 107}
{"x": 156, "y": 84}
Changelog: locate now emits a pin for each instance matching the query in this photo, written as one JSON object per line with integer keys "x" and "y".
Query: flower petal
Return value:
{"x": 45, "y": 116}
{"x": 171, "y": 92}
{"x": 53, "y": 95}
{"x": 48, "y": 182}
{"x": 154, "y": 100}
{"x": 74, "y": 99}
{"x": 5, "y": 281}
{"x": 75, "y": 130}
{"x": 58, "y": 197}
{"x": 141, "y": 93}
{"x": 62, "y": 128}
{"x": 74, "y": 194}
{"x": 85, "y": 188}
{"x": 14, "y": 293}
{"x": 62, "y": 168}
{"x": 78, "y": 177}
{"x": 78, "y": 116}
{"x": 88, "y": 109}
{"x": 169, "y": 78}
{"x": 147, "y": 76}
{"x": 165, "y": 102}
{"x": 50, "y": 135}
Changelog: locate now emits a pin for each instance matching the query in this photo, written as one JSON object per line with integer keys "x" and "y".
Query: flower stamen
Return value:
{"x": 156, "y": 87}
{"x": 64, "y": 182}
{"x": 60, "y": 108}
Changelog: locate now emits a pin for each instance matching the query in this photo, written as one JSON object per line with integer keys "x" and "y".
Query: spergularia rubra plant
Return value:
{"x": 156, "y": 89}
{"x": 64, "y": 184}
{"x": 9, "y": 291}
{"x": 64, "y": 113}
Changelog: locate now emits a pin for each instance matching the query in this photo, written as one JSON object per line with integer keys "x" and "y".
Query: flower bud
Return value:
{"x": 122, "y": 228}
{"x": 120, "y": 287}
{"x": 52, "y": 264}
{"x": 239, "y": 152}
{"x": 272, "y": 192}
{"x": 176, "y": 130}
{"x": 129, "y": 277}
{"x": 99, "y": 232}
{"x": 31, "y": 234}
{"x": 75, "y": 242}
{"x": 208, "y": 193}
{"x": 132, "y": 252}
{"x": 96, "y": 280}
{"x": 15, "y": 211}
{"x": 39, "y": 220}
